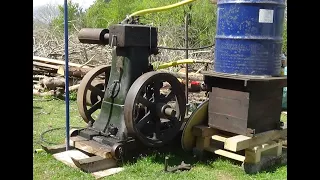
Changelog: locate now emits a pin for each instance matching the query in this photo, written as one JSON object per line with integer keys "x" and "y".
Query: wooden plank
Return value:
{"x": 107, "y": 172}
{"x": 203, "y": 131}
{"x": 237, "y": 143}
{"x": 54, "y": 149}
{"x": 74, "y": 139}
{"x": 240, "y": 143}
{"x": 39, "y": 64}
{"x": 94, "y": 163}
{"x": 266, "y": 146}
{"x": 65, "y": 157}
{"x": 225, "y": 153}
{"x": 93, "y": 147}
{"x": 272, "y": 148}
{"x": 202, "y": 142}
{"x": 59, "y": 62}
{"x": 252, "y": 157}
{"x": 219, "y": 138}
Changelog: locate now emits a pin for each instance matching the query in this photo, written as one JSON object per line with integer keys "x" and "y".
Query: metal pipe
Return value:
{"x": 186, "y": 56}
{"x": 66, "y": 71}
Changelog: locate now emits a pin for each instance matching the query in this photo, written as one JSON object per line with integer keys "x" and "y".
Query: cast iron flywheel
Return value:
{"x": 151, "y": 115}
{"x": 91, "y": 91}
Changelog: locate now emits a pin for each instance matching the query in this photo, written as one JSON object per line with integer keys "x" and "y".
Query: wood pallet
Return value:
{"x": 249, "y": 150}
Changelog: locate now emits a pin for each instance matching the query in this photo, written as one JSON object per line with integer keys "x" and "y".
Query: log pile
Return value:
{"x": 48, "y": 76}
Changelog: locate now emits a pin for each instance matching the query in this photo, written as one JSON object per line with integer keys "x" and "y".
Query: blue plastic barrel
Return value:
{"x": 249, "y": 37}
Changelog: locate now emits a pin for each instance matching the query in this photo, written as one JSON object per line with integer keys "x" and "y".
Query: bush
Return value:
{"x": 75, "y": 17}
{"x": 170, "y": 23}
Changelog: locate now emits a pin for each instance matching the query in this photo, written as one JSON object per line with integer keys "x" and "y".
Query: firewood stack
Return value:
{"x": 48, "y": 76}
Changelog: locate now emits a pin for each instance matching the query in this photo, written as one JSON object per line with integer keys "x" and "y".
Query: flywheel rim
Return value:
{"x": 131, "y": 101}
{"x": 83, "y": 90}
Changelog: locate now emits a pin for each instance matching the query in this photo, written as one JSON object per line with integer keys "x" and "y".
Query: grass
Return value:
{"x": 51, "y": 114}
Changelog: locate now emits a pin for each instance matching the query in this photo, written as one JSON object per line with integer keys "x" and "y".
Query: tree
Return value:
{"x": 45, "y": 14}
{"x": 75, "y": 17}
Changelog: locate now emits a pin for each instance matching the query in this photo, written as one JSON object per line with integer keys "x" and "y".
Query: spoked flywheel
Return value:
{"x": 91, "y": 92}
{"x": 155, "y": 108}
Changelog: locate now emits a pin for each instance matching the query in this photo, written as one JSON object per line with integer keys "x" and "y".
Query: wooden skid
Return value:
{"x": 267, "y": 143}
{"x": 97, "y": 160}
{"x": 97, "y": 166}
{"x": 94, "y": 163}
{"x": 90, "y": 146}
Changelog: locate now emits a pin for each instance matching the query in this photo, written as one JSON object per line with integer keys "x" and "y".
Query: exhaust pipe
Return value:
{"x": 94, "y": 36}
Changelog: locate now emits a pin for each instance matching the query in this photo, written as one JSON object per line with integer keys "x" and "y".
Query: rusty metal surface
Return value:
{"x": 132, "y": 35}
{"x": 86, "y": 89}
{"x": 228, "y": 110}
{"x": 92, "y": 97}
{"x": 182, "y": 167}
{"x": 94, "y": 36}
{"x": 142, "y": 105}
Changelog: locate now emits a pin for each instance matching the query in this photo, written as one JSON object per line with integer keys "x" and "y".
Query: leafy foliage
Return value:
{"x": 75, "y": 17}
{"x": 103, "y": 13}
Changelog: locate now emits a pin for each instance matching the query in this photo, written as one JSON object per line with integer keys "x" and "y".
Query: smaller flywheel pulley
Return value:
{"x": 91, "y": 92}
{"x": 154, "y": 108}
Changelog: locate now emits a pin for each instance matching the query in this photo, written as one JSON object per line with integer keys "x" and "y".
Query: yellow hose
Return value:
{"x": 183, "y": 61}
{"x": 174, "y": 63}
{"x": 158, "y": 9}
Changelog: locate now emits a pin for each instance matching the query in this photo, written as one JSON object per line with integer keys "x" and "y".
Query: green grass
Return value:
{"x": 51, "y": 114}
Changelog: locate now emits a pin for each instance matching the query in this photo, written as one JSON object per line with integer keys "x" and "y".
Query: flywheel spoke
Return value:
{"x": 96, "y": 90}
{"x": 144, "y": 101}
{"x": 143, "y": 121}
{"x": 95, "y": 107}
{"x": 168, "y": 97}
{"x": 156, "y": 92}
{"x": 158, "y": 125}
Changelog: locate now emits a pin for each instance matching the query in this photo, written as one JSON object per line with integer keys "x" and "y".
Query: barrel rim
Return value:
{"x": 274, "y": 38}
{"x": 282, "y": 3}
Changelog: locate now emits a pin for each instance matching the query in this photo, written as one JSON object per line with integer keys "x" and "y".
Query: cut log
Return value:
{"x": 38, "y": 93}
{"x": 74, "y": 71}
{"x": 74, "y": 87}
{"x": 39, "y": 70}
{"x": 37, "y": 87}
{"x": 52, "y": 83}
